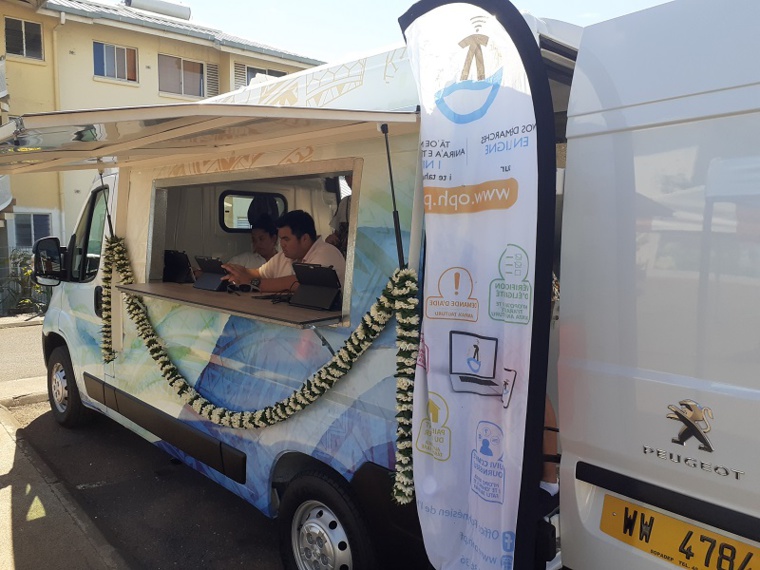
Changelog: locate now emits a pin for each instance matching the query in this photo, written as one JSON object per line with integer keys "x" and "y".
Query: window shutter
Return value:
{"x": 212, "y": 79}
{"x": 241, "y": 79}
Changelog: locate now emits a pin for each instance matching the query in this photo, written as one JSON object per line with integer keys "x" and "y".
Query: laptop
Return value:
{"x": 177, "y": 268}
{"x": 472, "y": 363}
{"x": 211, "y": 278}
{"x": 318, "y": 287}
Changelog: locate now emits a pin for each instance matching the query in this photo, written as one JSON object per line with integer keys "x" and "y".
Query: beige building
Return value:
{"x": 78, "y": 54}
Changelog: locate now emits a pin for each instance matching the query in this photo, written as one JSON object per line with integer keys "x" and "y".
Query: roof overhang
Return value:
{"x": 156, "y": 134}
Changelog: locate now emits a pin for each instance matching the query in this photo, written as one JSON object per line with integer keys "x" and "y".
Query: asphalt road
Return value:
{"x": 157, "y": 513}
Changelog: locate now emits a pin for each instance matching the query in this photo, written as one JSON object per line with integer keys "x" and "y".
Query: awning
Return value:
{"x": 155, "y": 134}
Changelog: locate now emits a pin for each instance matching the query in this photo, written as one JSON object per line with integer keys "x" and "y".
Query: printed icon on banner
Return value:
{"x": 487, "y": 477}
{"x": 468, "y": 98}
{"x": 508, "y": 541}
{"x": 508, "y": 386}
{"x": 511, "y": 297}
{"x": 507, "y": 562}
{"x": 434, "y": 437}
{"x": 455, "y": 301}
{"x": 472, "y": 363}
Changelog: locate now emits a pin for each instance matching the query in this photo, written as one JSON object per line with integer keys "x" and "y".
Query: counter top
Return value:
{"x": 243, "y": 305}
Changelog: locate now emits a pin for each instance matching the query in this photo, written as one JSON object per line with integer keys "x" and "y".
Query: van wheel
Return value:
{"x": 63, "y": 393}
{"x": 320, "y": 526}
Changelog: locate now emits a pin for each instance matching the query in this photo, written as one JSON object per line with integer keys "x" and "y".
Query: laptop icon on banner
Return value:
{"x": 472, "y": 363}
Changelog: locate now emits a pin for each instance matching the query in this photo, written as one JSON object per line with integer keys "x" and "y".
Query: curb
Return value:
{"x": 23, "y": 400}
{"x": 22, "y": 323}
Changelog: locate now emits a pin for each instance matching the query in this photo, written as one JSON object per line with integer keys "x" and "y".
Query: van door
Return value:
{"x": 659, "y": 359}
{"x": 80, "y": 320}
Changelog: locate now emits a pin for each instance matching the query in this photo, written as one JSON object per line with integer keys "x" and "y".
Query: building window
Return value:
{"x": 177, "y": 75}
{"x": 114, "y": 61}
{"x": 245, "y": 73}
{"x": 252, "y": 72}
{"x": 30, "y": 228}
{"x": 23, "y": 38}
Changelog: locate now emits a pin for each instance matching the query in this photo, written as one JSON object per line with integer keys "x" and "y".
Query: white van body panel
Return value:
{"x": 660, "y": 273}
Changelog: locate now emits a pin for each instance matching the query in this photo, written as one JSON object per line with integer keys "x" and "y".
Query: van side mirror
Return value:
{"x": 49, "y": 266}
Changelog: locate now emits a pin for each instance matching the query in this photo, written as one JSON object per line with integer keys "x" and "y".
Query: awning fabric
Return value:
{"x": 131, "y": 136}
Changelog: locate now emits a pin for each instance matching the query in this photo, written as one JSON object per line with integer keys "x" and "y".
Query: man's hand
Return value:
{"x": 236, "y": 274}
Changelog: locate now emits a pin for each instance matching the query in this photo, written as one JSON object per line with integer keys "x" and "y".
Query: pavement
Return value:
{"x": 41, "y": 525}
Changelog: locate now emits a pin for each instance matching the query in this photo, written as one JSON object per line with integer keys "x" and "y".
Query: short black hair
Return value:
{"x": 266, "y": 223}
{"x": 299, "y": 222}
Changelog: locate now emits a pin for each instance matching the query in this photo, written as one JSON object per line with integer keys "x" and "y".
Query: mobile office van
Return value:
{"x": 188, "y": 175}
{"x": 659, "y": 243}
{"x": 330, "y": 462}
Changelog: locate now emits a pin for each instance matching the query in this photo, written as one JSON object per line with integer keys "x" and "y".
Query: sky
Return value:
{"x": 333, "y": 30}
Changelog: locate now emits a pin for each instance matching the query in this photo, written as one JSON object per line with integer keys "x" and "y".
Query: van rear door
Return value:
{"x": 659, "y": 343}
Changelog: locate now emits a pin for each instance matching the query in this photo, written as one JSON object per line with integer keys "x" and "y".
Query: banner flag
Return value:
{"x": 480, "y": 165}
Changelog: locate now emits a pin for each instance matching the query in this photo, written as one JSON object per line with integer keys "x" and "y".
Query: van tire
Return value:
{"x": 318, "y": 518}
{"x": 63, "y": 393}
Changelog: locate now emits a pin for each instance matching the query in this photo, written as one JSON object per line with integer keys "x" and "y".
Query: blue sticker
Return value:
{"x": 508, "y": 541}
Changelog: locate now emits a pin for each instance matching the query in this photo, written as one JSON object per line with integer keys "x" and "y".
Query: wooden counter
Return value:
{"x": 244, "y": 305}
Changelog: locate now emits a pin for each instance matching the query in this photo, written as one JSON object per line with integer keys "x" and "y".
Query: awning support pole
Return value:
{"x": 108, "y": 211}
{"x": 396, "y": 223}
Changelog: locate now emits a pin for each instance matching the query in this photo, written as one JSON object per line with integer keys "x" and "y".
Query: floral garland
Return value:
{"x": 399, "y": 297}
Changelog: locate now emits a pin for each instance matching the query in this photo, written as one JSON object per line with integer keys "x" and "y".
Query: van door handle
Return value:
{"x": 98, "y": 301}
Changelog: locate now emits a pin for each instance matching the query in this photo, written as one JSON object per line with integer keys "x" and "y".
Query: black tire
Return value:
{"x": 63, "y": 393}
{"x": 320, "y": 526}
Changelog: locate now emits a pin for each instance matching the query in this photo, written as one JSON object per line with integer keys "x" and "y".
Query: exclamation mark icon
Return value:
{"x": 456, "y": 283}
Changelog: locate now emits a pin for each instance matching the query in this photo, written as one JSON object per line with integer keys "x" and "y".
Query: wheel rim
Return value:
{"x": 319, "y": 540}
{"x": 59, "y": 388}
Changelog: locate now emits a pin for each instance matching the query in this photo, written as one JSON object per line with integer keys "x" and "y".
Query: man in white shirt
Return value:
{"x": 263, "y": 244}
{"x": 298, "y": 243}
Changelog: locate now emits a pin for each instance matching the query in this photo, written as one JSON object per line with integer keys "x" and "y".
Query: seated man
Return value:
{"x": 299, "y": 243}
{"x": 263, "y": 244}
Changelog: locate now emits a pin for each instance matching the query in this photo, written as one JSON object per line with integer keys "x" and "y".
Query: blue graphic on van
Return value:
{"x": 460, "y": 94}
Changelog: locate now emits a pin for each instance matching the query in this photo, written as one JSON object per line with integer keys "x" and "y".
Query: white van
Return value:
{"x": 659, "y": 248}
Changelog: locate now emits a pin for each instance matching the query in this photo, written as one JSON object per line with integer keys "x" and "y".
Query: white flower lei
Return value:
{"x": 399, "y": 298}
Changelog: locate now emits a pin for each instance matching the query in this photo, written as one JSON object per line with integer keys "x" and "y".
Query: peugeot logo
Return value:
{"x": 693, "y": 416}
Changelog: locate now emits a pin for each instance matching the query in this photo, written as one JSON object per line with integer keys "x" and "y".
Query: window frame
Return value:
{"x": 84, "y": 273}
{"x": 24, "y": 24}
{"x": 116, "y": 77}
{"x": 18, "y": 215}
{"x": 274, "y": 73}
{"x": 244, "y": 193}
{"x": 204, "y": 76}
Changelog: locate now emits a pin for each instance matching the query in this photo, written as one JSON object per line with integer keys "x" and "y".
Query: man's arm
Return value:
{"x": 238, "y": 275}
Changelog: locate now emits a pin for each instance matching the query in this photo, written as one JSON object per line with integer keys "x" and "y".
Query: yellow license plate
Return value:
{"x": 682, "y": 544}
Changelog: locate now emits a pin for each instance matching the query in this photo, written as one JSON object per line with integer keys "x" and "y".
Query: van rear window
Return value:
{"x": 238, "y": 209}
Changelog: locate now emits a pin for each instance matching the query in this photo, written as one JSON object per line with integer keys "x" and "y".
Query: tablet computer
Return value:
{"x": 211, "y": 277}
{"x": 210, "y": 264}
{"x": 318, "y": 287}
